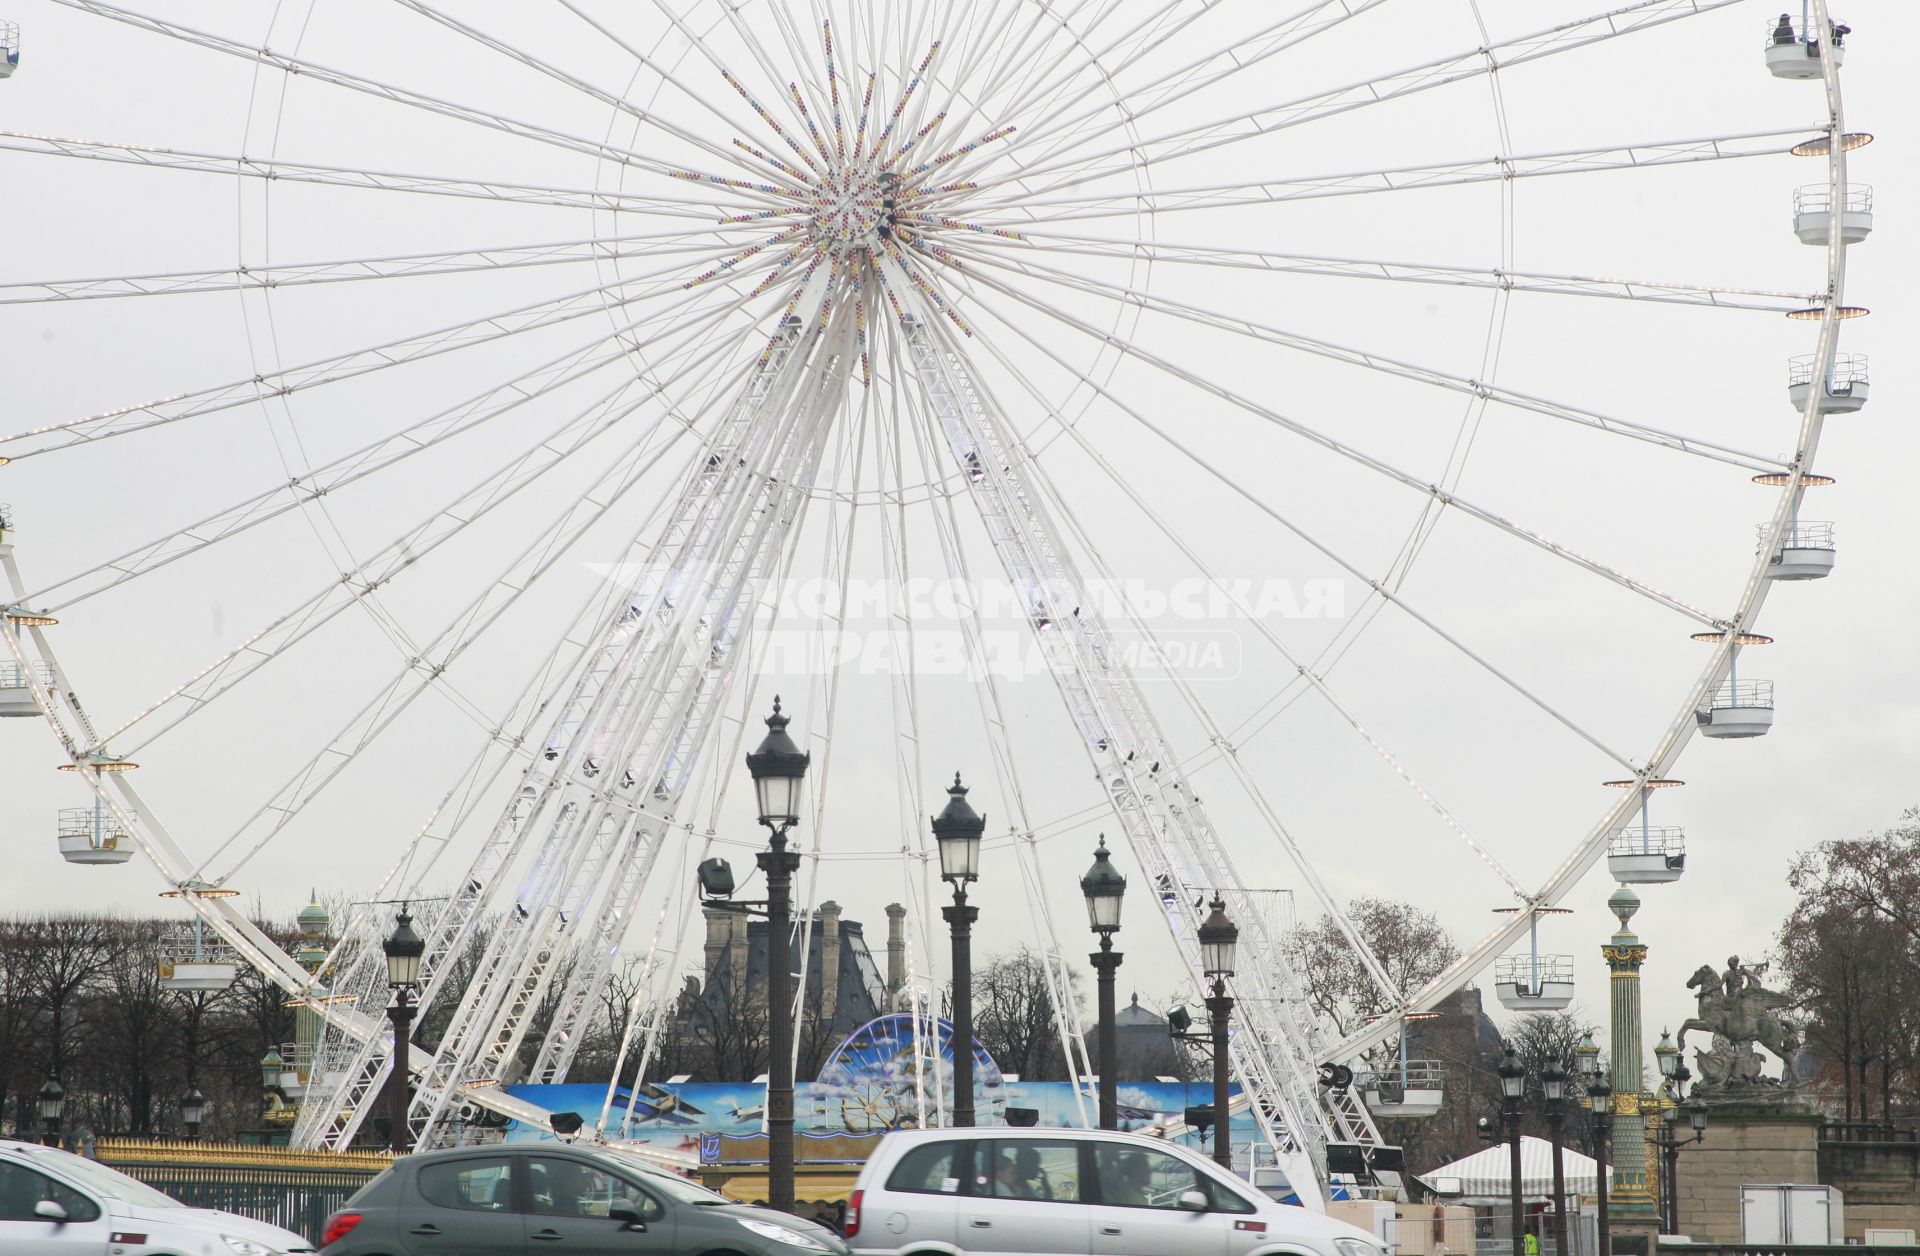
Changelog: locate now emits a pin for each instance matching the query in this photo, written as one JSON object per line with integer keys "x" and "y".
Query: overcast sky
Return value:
{"x": 1525, "y": 787}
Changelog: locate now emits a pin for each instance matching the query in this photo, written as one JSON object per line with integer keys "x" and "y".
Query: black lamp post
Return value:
{"x": 51, "y": 1102}
{"x": 1593, "y": 1080}
{"x": 1553, "y": 1088}
{"x": 193, "y": 1110}
{"x": 957, "y": 831}
{"x": 778, "y": 768}
{"x": 1675, "y": 1071}
{"x": 1219, "y": 941}
{"x": 1513, "y": 1100}
{"x": 1104, "y": 887}
{"x": 403, "y": 951}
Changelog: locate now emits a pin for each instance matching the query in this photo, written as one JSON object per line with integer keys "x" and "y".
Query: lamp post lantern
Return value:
{"x": 779, "y": 768}
{"x": 1104, "y": 887}
{"x": 1600, "y": 1104}
{"x": 51, "y": 1102}
{"x": 1513, "y": 1098}
{"x": 1219, "y": 944}
{"x": 193, "y": 1110}
{"x": 957, "y": 830}
{"x": 1553, "y": 1088}
{"x": 403, "y": 950}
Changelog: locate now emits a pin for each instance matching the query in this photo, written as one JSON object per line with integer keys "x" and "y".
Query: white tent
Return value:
{"x": 1485, "y": 1174}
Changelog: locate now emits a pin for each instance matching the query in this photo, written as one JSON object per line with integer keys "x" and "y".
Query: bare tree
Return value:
{"x": 1013, "y": 1015}
{"x": 1410, "y": 944}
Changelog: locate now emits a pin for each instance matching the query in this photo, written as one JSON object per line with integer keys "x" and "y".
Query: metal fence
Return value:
{"x": 295, "y": 1190}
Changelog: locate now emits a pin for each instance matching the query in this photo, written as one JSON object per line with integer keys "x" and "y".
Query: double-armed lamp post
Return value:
{"x": 1104, "y": 887}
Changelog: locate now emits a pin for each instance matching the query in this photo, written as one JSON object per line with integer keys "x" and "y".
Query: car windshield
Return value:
{"x": 101, "y": 1180}
{"x": 678, "y": 1189}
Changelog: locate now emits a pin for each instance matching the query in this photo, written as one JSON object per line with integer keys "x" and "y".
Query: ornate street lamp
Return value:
{"x": 1104, "y": 888}
{"x": 51, "y": 1103}
{"x": 1513, "y": 1100}
{"x": 1600, "y": 1104}
{"x": 957, "y": 830}
{"x": 403, "y": 950}
{"x": 1219, "y": 944}
{"x": 779, "y": 768}
{"x": 1553, "y": 1088}
{"x": 1670, "y": 1147}
{"x": 193, "y": 1110}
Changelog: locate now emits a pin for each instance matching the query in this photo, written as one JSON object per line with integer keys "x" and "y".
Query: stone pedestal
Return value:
{"x": 1746, "y": 1143}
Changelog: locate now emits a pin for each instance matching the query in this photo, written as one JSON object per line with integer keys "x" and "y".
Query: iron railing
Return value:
{"x": 296, "y": 1191}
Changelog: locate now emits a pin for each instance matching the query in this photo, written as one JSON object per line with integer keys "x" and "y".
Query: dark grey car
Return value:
{"x": 566, "y": 1200}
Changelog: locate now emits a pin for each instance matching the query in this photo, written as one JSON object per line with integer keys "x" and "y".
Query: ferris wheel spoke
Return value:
{"x": 1056, "y": 135}
{"x": 360, "y": 585}
{"x": 590, "y": 90}
{"x": 1218, "y": 739}
{"x": 1124, "y": 203}
{"x": 269, "y": 59}
{"x": 1376, "y": 586}
{"x": 1473, "y": 63}
{"x": 1381, "y": 467}
{"x": 427, "y": 672}
{"x": 1212, "y": 257}
{"x": 478, "y": 332}
{"x": 699, "y": 208}
{"x": 246, "y": 278}
{"x": 1268, "y": 334}
{"x": 344, "y": 471}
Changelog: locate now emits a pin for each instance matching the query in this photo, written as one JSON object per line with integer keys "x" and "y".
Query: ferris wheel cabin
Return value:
{"x": 16, "y": 688}
{"x": 1407, "y": 1089}
{"x": 1739, "y": 708}
{"x": 1847, "y": 385}
{"x": 9, "y": 49}
{"x": 1813, "y": 214}
{"x": 1792, "y": 55}
{"x": 90, "y": 835}
{"x": 1805, "y": 550}
{"x": 1533, "y": 983}
{"x": 1640, "y": 855}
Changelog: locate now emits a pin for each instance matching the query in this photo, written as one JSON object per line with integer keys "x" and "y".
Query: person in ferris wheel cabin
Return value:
{"x": 1783, "y": 30}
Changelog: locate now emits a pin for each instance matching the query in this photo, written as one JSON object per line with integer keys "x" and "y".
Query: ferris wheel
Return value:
{"x": 524, "y": 394}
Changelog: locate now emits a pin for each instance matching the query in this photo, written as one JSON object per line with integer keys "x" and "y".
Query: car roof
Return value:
{"x": 1022, "y": 1132}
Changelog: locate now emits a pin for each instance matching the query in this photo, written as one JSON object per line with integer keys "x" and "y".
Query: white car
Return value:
{"x": 54, "y": 1203}
{"x": 1047, "y": 1192}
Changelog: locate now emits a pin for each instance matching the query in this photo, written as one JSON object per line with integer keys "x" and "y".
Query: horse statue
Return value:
{"x": 1738, "y": 1012}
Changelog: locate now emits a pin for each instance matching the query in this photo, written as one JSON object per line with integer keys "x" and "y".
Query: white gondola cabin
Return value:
{"x": 1805, "y": 550}
{"x": 1647, "y": 855}
{"x": 1847, "y": 386}
{"x": 1813, "y": 214}
{"x": 1739, "y": 708}
{"x": 9, "y": 49}
{"x": 16, "y": 689}
{"x": 90, "y": 835}
{"x": 1791, "y": 55}
{"x": 1405, "y": 1088}
{"x": 1533, "y": 983}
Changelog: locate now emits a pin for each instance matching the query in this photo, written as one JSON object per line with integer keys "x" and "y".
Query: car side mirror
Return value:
{"x": 50, "y": 1211}
{"x": 628, "y": 1219}
{"x": 1194, "y": 1201}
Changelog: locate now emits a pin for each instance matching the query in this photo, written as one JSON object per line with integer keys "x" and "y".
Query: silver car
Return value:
{"x": 54, "y": 1203}
{"x": 1029, "y": 1192}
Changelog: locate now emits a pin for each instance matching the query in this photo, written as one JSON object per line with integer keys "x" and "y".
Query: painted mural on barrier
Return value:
{"x": 882, "y": 1076}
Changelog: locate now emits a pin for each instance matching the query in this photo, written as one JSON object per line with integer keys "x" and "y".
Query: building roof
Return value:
{"x": 1134, "y": 1014}
{"x": 1485, "y": 1173}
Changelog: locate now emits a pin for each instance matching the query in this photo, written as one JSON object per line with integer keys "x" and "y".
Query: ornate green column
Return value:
{"x": 1631, "y": 1202}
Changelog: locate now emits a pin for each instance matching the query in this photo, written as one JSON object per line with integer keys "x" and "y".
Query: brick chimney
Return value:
{"x": 896, "y": 947}
{"x": 829, "y": 962}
